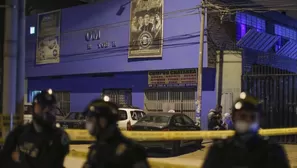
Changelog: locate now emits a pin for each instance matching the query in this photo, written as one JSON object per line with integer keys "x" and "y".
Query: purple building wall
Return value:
{"x": 181, "y": 50}
{"x": 181, "y": 37}
{"x": 85, "y": 88}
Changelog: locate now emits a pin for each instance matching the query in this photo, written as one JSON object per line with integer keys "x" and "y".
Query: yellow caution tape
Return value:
{"x": 83, "y": 135}
{"x": 78, "y": 154}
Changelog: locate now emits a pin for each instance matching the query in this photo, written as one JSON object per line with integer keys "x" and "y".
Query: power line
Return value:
{"x": 125, "y": 48}
{"x": 113, "y": 52}
{"x": 125, "y": 22}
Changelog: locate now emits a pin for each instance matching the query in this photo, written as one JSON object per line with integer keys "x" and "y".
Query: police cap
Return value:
{"x": 102, "y": 108}
{"x": 45, "y": 98}
{"x": 246, "y": 102}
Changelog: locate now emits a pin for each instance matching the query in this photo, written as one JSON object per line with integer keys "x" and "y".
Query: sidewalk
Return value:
{"x": 193, "y": 159}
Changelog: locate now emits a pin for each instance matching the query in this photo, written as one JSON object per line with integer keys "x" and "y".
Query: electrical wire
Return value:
{"x": 118, "y": 51}
{"x": 125, "y": 22}
{"x": 123, "y": 50}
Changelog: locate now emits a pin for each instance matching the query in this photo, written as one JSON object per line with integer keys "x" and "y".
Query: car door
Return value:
{"x": 189, "y": 125}
{"x": 177, "y": 123}
{"x": 182, "y": 122}
{"x": 123, "y": 119}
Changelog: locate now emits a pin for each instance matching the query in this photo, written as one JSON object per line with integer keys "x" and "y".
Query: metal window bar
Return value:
{"x": 119, "y": 96}
{"x": 179, "y": 99}
{"x": 63, "y": 99}
{"x": 276, "y": 87}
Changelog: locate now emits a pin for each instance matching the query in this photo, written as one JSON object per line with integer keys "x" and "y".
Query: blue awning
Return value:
{"x": 259, "y": 41}
{"x": 288, "y": 50}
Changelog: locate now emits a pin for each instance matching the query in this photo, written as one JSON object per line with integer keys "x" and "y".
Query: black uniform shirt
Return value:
{"x": 254, "y": 153}
{"x": 36, "y": 150}
{"x": 117, "y": 152}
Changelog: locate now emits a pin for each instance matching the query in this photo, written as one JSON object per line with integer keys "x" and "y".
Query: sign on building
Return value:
{"x": 146, "y": 29}
{"x": 171, "y": 78}
{"x": 48, "y": 38}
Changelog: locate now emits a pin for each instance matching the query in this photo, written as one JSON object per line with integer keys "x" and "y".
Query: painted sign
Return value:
{"x": 48, "y": 38}
{"x": 95, "y": 35}
{"x": 146, "y": 29}
{"x": 171, "y": 78}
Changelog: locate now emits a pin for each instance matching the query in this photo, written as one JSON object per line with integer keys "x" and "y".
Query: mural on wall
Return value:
{"x": 48, "y": 38}
{"x": 146, "y": 29}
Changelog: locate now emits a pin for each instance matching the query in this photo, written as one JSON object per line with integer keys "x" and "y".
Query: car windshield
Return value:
{"x": 58, "y": 112}
{"x": 136, "y": 115}
{"x": 154, "y": 119}
{"x": 75, "y": 116}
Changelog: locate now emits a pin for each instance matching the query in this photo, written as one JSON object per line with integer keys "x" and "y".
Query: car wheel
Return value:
{"x": 175, "y": 148}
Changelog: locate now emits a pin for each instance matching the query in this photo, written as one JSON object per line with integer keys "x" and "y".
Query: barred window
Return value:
{"x": 245, "y": 22}
{"x": 285, "y": 32}
{"x": 119, "y": 96}
{"x": 63, "y": 99}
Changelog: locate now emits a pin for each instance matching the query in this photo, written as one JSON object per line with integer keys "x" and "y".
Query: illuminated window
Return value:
{"x": 33, "y": 94}
{"x": 245, "y": 22}
{"x": 285, "y": 33}
{"x": 32, "y": 30}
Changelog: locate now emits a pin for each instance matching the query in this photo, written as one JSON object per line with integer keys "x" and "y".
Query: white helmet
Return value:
{"x": 171, "y": 111}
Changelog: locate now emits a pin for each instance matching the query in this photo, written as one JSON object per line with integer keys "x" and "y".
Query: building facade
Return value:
{"x": 145, "y": 55}
{"x": 264, "y": 51}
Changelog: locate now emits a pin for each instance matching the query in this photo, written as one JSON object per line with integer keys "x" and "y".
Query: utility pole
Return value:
{"x": 10, "y": 59}
{"x": 20, "y": 86}
{"x": 200, "y": 64}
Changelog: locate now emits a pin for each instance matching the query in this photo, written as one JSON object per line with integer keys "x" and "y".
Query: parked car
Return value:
{"x": 128, "y": 115}
{"x": 74, "y": 120}
{"x": 28, "y": 109}
{"x": 167, "y": 122}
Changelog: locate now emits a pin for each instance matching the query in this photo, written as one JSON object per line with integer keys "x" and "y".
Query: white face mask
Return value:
{"x": 90, "y": 127}
{"x": 243, "y": 127}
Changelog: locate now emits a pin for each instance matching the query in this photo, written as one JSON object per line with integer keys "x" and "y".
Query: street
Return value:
{"x": 190, "y": 158}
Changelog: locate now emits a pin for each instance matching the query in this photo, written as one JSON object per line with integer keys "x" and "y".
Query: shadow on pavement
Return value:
{"x": 161, "y": 153}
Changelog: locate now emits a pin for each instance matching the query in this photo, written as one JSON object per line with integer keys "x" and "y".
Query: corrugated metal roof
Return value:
{"x": 259, "y": 41}
{"x": 288, "y": 50}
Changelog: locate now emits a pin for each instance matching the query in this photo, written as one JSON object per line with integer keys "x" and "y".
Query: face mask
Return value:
{"x": 45, "y": 119}
{"x": 90, "y": 127}
{"x": 243, "y": 127}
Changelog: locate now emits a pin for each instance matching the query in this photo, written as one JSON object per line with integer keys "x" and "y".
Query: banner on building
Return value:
{"x": 146, "y": 29}
{"x": 173, "y": 78}
{"x": 48, "y": 38}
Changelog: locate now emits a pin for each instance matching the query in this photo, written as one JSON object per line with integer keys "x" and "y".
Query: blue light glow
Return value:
{"x": 285, "y": 32}
{"x": 247, "y": 22}
{"x": 33, "y": 94}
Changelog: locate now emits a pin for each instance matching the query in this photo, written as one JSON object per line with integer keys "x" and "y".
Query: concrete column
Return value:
{"x": 20, "y": 86}
{"x": 10, "y": 57}
{"x": 2, "y": 18}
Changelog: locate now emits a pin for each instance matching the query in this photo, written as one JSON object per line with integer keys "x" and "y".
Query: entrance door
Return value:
{"x": 182, "y": 100}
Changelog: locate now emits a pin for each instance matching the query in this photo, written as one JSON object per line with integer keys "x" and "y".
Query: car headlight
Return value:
{"x": 58, "y": 125}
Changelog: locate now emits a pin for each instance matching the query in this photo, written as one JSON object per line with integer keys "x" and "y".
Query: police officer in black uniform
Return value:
{"x": 246, "y": 149}
{"x": 39, "y": 144}
{"x": 111, "y": 148}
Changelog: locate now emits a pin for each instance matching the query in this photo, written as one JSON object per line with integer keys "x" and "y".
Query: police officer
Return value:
{"x": 40, "y": 143}
{"x": 246, "y": 149}
{"x": 111, "y": 148}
